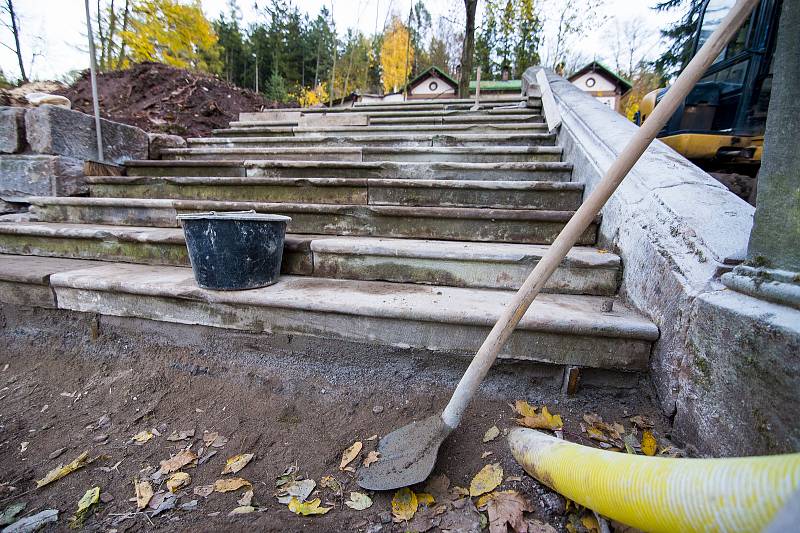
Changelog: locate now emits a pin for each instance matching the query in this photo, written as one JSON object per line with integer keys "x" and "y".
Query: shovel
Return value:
{"x": 408, "y": 454}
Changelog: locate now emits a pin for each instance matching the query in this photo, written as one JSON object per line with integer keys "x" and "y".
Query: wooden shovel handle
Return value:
{"x": 587, "y": 212}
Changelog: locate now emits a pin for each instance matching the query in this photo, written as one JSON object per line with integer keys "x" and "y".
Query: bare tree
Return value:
{"x": 575, "y": 18}
{"x": 629, "y": 45}
{"x": 7, "y": 7}
{"x": 468, "y": 51}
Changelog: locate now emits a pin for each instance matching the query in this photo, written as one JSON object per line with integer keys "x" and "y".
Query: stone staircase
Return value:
{"x": 410, "y": 225}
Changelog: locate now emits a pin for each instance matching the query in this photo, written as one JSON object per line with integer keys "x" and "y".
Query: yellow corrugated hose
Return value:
{"x": 658, "y": 493}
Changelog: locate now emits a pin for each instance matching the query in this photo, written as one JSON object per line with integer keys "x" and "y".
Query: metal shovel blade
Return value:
{"x": 407, "y": 455}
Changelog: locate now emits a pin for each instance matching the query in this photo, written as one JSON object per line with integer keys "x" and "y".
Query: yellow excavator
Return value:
{"x": 720, "y": 126}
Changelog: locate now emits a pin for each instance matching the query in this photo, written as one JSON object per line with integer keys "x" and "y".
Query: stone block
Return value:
{"x": 292, "y": 116}
{"x": 41, "y": 175}
{"x": 12, "y": 129}
{"x": 59, "y": 131}
{"x": 159, "y": 141}
{"x": 333, "y": 119}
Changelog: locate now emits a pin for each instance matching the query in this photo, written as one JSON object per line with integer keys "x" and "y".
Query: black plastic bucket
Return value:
{"x": 234, "y": 250}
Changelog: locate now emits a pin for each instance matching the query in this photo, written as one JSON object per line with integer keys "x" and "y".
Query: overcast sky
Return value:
{"x": 55, "y": 29}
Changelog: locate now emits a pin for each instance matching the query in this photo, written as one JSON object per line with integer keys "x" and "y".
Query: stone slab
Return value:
{"x": 557, "y": 329}
{"x": 332, "y": 119}
{"x": 24, "y": 175}
{"x": 26, "y": 280}
{"x": 157, "y": 142}
{"x": 59, "y": 131}
{"x": 271, "y": 114}
{"x": 12, "y": 130}
{"x": 184, "y": 168}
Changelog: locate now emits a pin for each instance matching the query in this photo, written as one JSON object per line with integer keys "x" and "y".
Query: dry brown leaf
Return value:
{"x": 144, "y": 492}
{"x": 350, "y": 454}
{"x": 642, "y": 422}
{"x": 246, "y": 499}
{"x": 184, "y": 458}
{"x": 213, "y": 439}
{"x": 535, "y": 526}
{"x": 236, "y": 463}
{"x": 505, "y": 509}
{"x": 230, "y": 484}
{"x": 178, "y": 480}
{"x": 486, "y": 480}
{"x": 491, "y": 434}
{"x": 181, "y": 435}
{"x": 330, "y": 482}
{"x": 371, "y": 458}
{"x": 204, "y": 490}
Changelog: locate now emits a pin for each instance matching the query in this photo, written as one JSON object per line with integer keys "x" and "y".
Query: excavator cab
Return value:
{"x": 720, "y": 125}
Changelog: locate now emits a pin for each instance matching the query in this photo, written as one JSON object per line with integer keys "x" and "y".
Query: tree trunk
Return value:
{"x": 112, "y": 28}
{"x": 15, "y": 31}
{"x": 468, "y": 51}
{"x": 125, "y": 14}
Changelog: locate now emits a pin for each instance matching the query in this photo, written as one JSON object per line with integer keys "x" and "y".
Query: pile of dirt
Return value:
{"x": 163, "y": 99}
{"x": 15, "y": 96}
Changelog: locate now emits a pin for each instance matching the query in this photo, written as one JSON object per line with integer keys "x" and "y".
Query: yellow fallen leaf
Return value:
{"x": 491, "y": 434}
{"x": 523, "y": 408}
{"x": 242, "y": 509}
{"x": 89, "y": 500}
{"x": 144, "y": 492}
{"x": 371, "y": 458}
{"x": 61, "y": 470}
{"x": 236, "y": 463}
{"x": 350, "y": 454}
{"x": 486, "y": 480}
{"x": 231, "y": 483}
{"x": 307, "y": 508}
{"x": 426, "y": 499}
{"x": 359, "y": 501}
{"x": 590, "y": 523}
{"x": 178, "y": 461}
{"x": 142, "y": 437}
{"x": 649, "y": 443}
{"x": 404, "y": 504}
{"x": 178, "y": 480}
{"x": 543, "y": 420}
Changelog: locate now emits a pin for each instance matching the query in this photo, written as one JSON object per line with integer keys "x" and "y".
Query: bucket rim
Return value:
{"x": 234, "y": 215}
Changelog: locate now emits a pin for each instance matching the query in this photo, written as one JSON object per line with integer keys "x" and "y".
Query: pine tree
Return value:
{"x": 506, "y": 42}
{"x": 680, "y": 35}
{"x": 486, "y": 41}
{"x": 529, "y": 36}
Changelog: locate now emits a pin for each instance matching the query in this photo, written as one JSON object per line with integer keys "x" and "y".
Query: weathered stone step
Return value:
{"x": 397, "y": 129}
{"x": 441, "y": 223}
{"x": 561, "y": 329}
{"x": 459, "y": 119}
{"x": 554, "y": 196}
{"x": 466, "y": 154}
{"x": 422, "y": 141}
{"x": 449, "y": 263}
{"x": 530, "y": 171}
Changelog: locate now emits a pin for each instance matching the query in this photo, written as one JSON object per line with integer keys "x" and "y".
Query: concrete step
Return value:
{"x": 396, "y": 129}
{"x": 448, "y": 263}
{"x": 459, "y": 119}
{"x": 554, "y": 196}
{"x": 440, "y": 223}
{"x": 234, "y": 151}
{"x": 559, "y": 329}
{"x": 532, "y": 171}
{"x": 388, "y": 140}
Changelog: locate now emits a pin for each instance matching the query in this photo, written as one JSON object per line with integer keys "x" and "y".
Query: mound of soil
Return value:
{"x": 163, "y": 99}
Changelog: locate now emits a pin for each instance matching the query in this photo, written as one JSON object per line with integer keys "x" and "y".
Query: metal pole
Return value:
{"x": 256, "y": 54}
{"x": 92, "y": 70}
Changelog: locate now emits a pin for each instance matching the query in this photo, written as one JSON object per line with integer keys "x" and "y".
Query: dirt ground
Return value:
{"x": 163, "y": 99}
{"x": 91, "y": 385}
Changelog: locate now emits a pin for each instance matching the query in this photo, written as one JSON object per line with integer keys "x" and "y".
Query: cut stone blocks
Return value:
{"x": 12, "y": 130}
{"x": 47, "y": 175}
{"x": 58, "y": 131}
{"x": 157, "y": 142}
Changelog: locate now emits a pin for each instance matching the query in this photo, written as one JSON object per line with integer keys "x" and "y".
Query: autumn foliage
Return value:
{"x": 396, "y": 56}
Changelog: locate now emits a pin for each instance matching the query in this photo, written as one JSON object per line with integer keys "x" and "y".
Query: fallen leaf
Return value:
{"x": 85, "y": 507}
{"x": 423, "y": 498}
{"x": 204, "y": 490}
{"x": 206, "y": 456}
{"x": 144, "y": 492}
{"x": 188, "y": 506}
{"x": 523, "y": 408}
{"x": 642, "y": 422}
{"x": 372, "y": 437}
{"x": 214, "y": 439}
{"x": 484, "y": 455}
{"x": 511, "y": 479}
{"x": 535, "y": 526}
{"x": 505, "y": 509}
{"x": 242, "y": 509}
{"x": 162, "y": 501}
{"x": 10, "y": 513}
{"x": 438, "y": 486}
{"x": 178, "y": 480}
{"x": 23, "y": 446}
{"x": 359, "y": 501}
{"x": 630, "y": 443}
{"x": 236, "y": 463}
{"x": 459, "y": 491}
{"x": 589, "y": 522}
{"x": 181, "y": 435}
{"x": 307, "y": 508}
{"x": 350, "y": 454}
{"x": 288, "y": 475}
{"x": 34, "y": 522}
{"x": 299, "y": 490}
{"x": 246, "y": 499}
{"x": 142, "y": 437}
{"x": 371, "y": 458}
{"x": 542, "y": 420}
{"x": 404, "y": 504}
{"x": 610, "y": 434}
{"x": 491, "y": 434}
{"x": 230, "y": 484}
{"x": 329, "y": 482}
{"x": 649, "y": 443}
{"x": 486, "y": 480}
{"x": 61, "y": 470}
{"x": 184, "y": 458}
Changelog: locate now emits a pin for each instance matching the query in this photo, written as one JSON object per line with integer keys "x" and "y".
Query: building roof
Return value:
{"x": 596, "y": 66}
{"x": 427, "y": 73}
{"x": 497, "y": 85}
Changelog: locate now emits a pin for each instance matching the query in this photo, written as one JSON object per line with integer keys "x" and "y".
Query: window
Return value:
{"x": 590, "y": 82}
{"x": 716, "y": 10}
